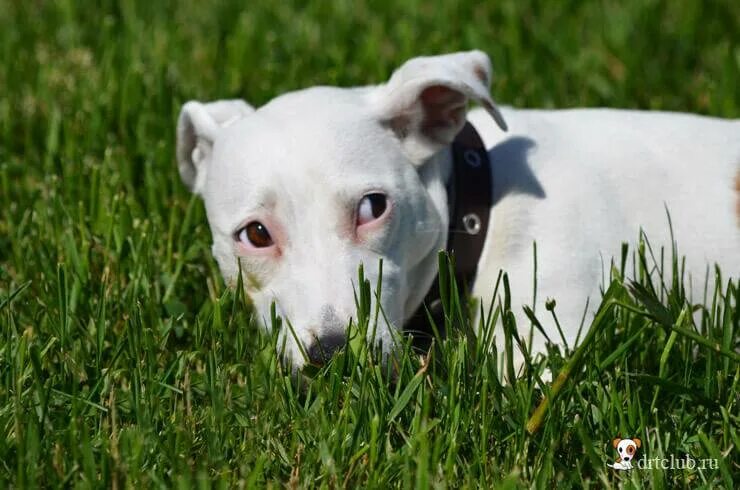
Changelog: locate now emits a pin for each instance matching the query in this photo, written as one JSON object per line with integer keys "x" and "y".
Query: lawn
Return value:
{"x": 125, "y": 362}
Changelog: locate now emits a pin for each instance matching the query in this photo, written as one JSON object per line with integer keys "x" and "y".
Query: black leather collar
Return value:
{"x": 470, "y": 197}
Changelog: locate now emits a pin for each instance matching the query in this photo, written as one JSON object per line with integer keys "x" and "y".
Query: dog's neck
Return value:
{"x": 435, "y": 174}
{"x": 464, "y": 170}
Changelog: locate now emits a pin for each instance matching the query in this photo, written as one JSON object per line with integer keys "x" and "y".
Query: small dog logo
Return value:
{"x": 627, "y": 449}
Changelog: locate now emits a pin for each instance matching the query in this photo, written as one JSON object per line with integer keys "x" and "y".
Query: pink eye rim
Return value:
{"x": 373, "y": 206}
{"x": 254, "y": 234}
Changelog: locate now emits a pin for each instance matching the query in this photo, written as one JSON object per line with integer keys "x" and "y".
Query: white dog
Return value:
{"x": 307, "y": 187}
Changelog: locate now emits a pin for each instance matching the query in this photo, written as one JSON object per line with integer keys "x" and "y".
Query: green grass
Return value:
{"x": 124, "y": 360}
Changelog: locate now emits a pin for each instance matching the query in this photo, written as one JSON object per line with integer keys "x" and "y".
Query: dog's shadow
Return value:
{"x": 512, "y": 173}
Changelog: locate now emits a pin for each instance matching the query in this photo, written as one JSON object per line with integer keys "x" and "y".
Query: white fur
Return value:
{"x": 578, "y": 182}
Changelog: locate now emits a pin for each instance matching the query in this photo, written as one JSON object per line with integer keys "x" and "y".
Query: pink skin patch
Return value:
{"x": 366, "y": 222}
{"x": 737, "y": 189}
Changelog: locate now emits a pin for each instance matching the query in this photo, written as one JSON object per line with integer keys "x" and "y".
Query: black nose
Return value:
{"x": 325, "y": 346}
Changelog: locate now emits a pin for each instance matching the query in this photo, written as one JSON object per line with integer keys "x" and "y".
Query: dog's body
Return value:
{"x": 581, "y": 182}
{"x": 307, "y": 187}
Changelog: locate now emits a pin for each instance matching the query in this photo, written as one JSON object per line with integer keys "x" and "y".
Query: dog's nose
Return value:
{"x": 325, "y": 346}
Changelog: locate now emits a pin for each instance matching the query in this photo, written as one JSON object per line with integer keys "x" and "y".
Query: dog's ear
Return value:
{"x": 197, "y": 127}
{"x": 638, "y": 442}
{"x": 615, "y": 442}
{"x": 425, "y": 101}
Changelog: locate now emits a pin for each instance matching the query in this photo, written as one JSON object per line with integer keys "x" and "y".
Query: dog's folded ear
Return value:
{"x": 197, "y": 127}
{"x": 425, "y": 101}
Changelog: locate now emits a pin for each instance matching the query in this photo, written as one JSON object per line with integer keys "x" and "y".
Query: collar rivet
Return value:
{"x": 472, "y": 223}
{"x": 472, "y": 158}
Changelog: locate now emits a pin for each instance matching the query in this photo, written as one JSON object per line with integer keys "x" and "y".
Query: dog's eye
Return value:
{"x": 256, "y": 234}
{"x": 371, "y": 207}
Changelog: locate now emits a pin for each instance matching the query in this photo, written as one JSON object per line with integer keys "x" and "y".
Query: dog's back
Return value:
{"x": 581, "y": 182}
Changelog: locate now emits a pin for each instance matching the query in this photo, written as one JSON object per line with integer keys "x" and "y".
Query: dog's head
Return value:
{"x": 303, "y": 190}
{"x": 627, "y": 448}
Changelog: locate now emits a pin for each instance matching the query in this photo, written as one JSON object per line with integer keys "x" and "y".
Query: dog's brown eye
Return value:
{"x": 371, "y": 207}
{"x": 255, "y": 234}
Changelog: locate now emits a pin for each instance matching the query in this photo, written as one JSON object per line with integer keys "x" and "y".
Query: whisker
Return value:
{"x": 437, "y": 230}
